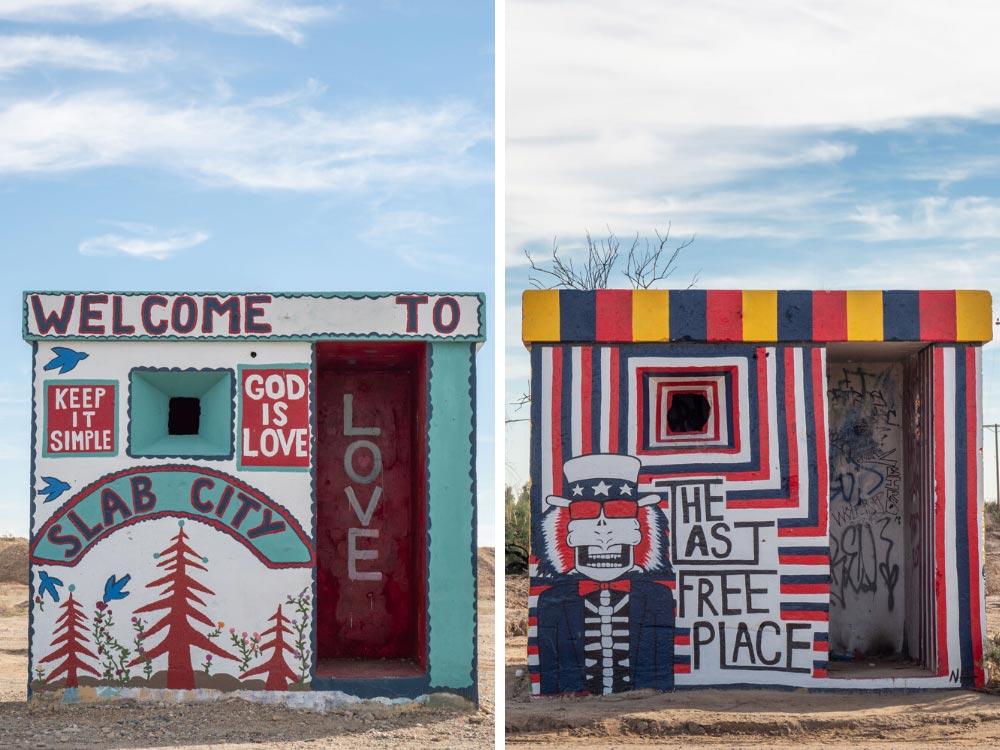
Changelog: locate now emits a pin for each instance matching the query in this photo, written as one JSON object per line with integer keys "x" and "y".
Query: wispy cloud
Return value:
{"x": 43, "y": 50}
{"x": 402, "y": 226}
{"x": 250, "y": 145}
{"x": 411, "y": 235}
{"x": 284, "y": 19}
{"x": 143, "y": 241}
{"x": 932, "y": 218}
{"x": 643, "y": 179}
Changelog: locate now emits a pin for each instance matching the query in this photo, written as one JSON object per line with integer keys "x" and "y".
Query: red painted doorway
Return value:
{"x": 371, "y": 570}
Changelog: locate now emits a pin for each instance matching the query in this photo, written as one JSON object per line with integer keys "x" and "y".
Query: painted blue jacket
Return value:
{"x": 561, "y": 637}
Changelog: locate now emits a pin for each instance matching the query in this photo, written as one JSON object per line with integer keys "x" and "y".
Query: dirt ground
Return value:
{"x": 748, "y": 718}
{"x": 228, "y": 724}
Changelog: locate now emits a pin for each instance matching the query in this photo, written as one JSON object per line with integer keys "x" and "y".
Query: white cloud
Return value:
{"x": 24, "y": 51}
{"x": 284, "y": 19}
{"x": 143, "y": 241}
{"x": 280, "y": 147}
{"x": 932, "y": 218}
{"x": 624, "y": 114}
{"x": 768, "y": 64}
{"x": 645, "y": 179}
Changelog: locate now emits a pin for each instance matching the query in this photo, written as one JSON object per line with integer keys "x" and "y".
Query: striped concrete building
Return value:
{"x": 756, "y": 488}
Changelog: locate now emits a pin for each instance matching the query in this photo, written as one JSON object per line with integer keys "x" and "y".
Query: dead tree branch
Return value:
{"x": 593, "y": 274}
{"x": 646, "y": 263}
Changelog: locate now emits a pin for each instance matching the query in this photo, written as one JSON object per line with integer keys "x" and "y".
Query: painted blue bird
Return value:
{"x": 115, "y": 589}
{"x": 66, "y": 359}
{"x": 48, "y": 583}
{"x": 53, "y": 489}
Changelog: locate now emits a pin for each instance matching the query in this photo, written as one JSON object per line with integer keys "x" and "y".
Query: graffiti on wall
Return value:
{"x": 866, "y": 511}
{"x": 785, "y": 540}
{"x": 678, "y": 496}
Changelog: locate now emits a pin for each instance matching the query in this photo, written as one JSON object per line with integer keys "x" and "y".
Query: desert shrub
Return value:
{"x": 517, "y": 529}
{"x": 992, "y": 513}
{"x": 992, "y": 659}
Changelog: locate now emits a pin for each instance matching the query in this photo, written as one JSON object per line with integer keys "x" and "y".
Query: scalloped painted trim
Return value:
{"x": 190, "y": 457}
{"x": 318, "y": 336}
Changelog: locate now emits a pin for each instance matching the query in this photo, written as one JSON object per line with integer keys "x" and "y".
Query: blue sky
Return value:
{"x": 814, "y": 145}
{"x": 241, "y": 145}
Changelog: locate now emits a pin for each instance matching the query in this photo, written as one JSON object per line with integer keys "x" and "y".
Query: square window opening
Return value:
{"x": 688, "y": 412}
{"x": 183, "y": 415}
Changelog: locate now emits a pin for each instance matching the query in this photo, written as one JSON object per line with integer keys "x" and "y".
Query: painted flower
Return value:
{"x": 208, "y": 657}
{"x": 221, "y": 624}
{"x": 244, "y": 634}
{"x": 101, "y": 606}
{"x": 232, "y": 631}
{"x": 256, "y": 636}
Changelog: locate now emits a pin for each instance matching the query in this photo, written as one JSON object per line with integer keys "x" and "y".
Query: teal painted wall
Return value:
{"x": 451, "y": 589}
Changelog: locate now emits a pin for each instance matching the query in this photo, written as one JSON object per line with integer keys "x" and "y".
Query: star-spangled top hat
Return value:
{"x": 602, "y": 478}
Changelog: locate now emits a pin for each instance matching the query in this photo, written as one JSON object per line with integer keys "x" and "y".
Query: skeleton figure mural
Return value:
{"x": 606, "y": 624}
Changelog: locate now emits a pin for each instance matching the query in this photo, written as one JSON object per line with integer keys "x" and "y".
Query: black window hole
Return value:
{"x": 688, "y": 412}
{"x": 184, "y": 416}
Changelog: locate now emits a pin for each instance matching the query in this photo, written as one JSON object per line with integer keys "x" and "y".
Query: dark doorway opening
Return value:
{"x": 882, "y": 565}
{"x": 371, "y": 572}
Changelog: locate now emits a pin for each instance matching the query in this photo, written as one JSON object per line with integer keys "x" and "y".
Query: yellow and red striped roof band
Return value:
{"x": 625, "y": 315}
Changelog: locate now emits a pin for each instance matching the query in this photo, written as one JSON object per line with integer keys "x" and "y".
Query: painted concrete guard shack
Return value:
{"x": 259, "y": 492}
{"x": 756, "y": 488}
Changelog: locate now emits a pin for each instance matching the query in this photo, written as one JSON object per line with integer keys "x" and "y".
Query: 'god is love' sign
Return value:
{"x": 274, "y": 417}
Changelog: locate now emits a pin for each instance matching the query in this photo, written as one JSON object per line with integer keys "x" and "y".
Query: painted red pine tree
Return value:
{"x": 279, "y": 674}
{"x": 72, "y": 623}
{"x": 178, "y": 600}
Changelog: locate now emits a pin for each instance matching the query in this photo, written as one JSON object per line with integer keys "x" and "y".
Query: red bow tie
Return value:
{"x": 589, "y": 587}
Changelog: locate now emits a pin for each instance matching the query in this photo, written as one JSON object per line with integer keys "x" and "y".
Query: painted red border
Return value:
{"x": 724, "y": 315}
{"x": 938, "y": 315}
{"x": 822, "y": 460}
{"x": 701, "y": 386}
{"x": 614, "y": 439}
{"x": 556, "y": 425}
{"x": 613, "y": 309}
{"x": 676, "y": 371}
{"x": 763, "y": 439}
{"x": 829, "y": 316}
{"x": 940, "y": 508}
{"x": 586, "y": 394}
